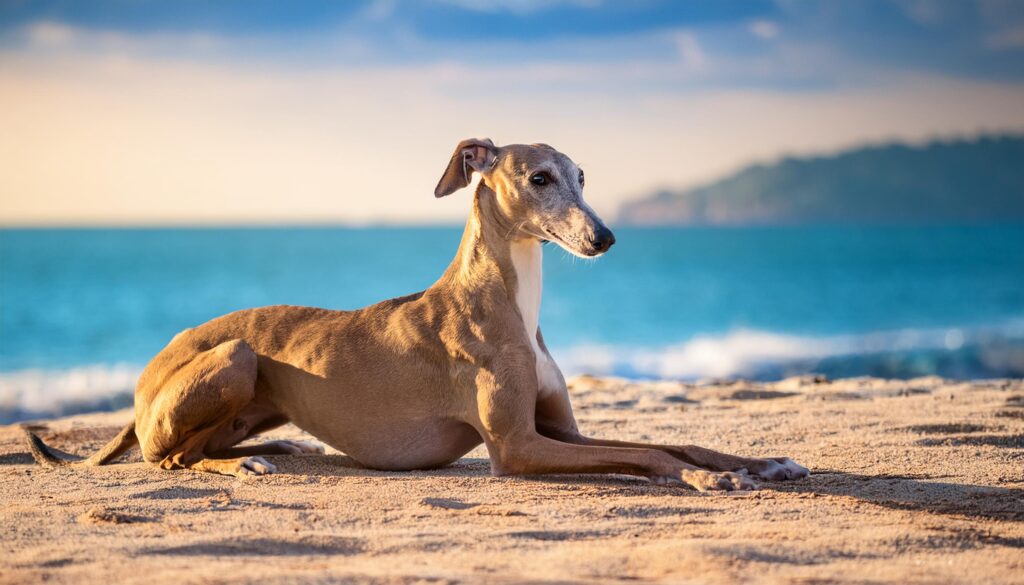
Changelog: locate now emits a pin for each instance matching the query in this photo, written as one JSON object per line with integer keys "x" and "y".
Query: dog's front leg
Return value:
{"x": 555, "y": 420}
{"x": 506, "y": 401}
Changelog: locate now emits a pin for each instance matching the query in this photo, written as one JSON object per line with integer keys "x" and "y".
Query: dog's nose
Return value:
{"x": 603, "y": 239}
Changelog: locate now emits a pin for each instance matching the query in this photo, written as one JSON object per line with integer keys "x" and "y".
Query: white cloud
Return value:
{"x": 61, "y": 38}
{"x": 379, "y": 9}
{"x": 764, "y": 29}
{"x": 50, "y": 34}
{"x": 691, "y": 54}
{"x": 1007, "y": 39}
{"x": 925, "y": 12}
{"x": 518, "y": 6}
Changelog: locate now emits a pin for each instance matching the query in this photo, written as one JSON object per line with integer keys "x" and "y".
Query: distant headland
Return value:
{"x": 956, "y": 181}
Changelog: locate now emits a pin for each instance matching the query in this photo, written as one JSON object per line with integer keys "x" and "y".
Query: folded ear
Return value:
{"x": 470, "y": 155}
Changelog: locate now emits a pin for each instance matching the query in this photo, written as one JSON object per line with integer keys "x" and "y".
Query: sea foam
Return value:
{"x": 953, "y": 352}
{"x": 38, "y": 393}
{"x": 992, "y": 352}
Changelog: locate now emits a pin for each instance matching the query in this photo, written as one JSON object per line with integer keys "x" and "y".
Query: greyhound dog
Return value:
{"x": 417, "y": 381}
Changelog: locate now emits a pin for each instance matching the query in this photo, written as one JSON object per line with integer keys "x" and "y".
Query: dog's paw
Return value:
{"x": 301, "y": 447}
{"x": 256, "y": 465}
{"x": 704, "y": 481}
{"x": 779, "y": 468}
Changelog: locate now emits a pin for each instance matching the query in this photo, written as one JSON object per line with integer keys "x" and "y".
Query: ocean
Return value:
{"x": 83, "y": 310}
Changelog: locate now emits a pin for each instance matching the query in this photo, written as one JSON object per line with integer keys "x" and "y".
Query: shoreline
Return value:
{"x": 912, "y": 481}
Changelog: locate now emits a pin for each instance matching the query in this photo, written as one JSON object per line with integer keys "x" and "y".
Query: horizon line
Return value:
{"x": 991, "y": 222}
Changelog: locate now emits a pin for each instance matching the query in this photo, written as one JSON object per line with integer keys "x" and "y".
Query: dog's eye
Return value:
{"x": 581, "y": 177}
{"x": 539, "y": 178}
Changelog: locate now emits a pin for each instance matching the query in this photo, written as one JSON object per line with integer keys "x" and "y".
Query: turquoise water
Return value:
{"x": 81, "y": 311}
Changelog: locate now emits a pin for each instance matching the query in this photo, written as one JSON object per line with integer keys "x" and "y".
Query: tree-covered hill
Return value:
{"x": 952, "y": 181}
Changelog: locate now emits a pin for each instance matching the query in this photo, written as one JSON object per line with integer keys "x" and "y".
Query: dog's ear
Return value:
{"x": 470, "y": 155}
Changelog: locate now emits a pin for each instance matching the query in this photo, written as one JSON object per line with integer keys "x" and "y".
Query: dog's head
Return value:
{"x": 538, "y": 189}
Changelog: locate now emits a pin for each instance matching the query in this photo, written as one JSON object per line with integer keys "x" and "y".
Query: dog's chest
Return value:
{"x": 527, "y": 261}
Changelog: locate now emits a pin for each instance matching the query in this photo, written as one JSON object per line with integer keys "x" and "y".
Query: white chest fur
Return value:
{"x": 528, "y": 263}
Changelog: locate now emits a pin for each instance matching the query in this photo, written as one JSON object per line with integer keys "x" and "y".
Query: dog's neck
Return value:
{"x": 494, "y": 257}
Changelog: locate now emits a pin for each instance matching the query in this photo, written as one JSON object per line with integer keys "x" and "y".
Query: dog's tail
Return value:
{"x": 45, "y": 455}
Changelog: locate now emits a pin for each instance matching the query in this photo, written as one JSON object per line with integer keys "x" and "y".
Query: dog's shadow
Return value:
{"x": 903, "y": 492}
{"x": 340, "y": 465}
{"x": 914, "y": 493}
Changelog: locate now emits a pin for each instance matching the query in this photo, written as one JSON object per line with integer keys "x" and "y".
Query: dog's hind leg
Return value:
{"x": 197, "y": 403}
{"x": 238, "y": 467}
{"x": 256, "y": 417}
{"x": 280, "y": 447}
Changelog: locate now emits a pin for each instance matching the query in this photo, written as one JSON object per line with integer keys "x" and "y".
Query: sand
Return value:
{"x": 917, "y": 481}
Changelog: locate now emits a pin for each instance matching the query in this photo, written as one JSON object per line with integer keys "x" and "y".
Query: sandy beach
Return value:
{"x": 918, "y": 481}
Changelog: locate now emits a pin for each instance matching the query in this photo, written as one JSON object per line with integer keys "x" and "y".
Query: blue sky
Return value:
{"x": 285, "y": 97}
{"x": 973, "y": 39}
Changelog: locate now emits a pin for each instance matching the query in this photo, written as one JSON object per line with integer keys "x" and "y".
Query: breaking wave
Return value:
{"x": 38, "y": 393}
{"x": 760, "y": 355}
{"x": 996, "y": 352}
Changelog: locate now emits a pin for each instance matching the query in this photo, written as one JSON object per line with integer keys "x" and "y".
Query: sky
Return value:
{"x": 118, "y": 112}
